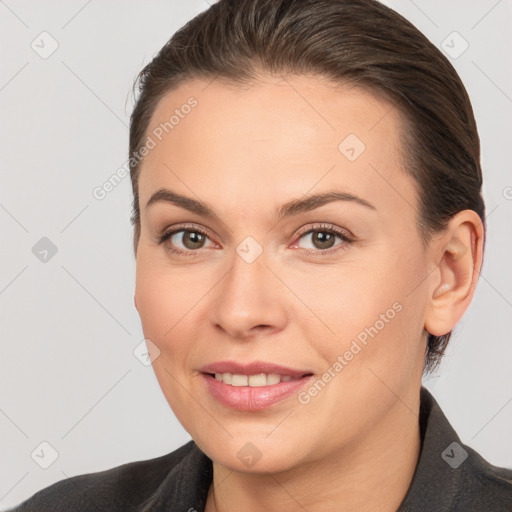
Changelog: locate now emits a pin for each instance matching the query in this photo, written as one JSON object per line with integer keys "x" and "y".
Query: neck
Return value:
{"x": 372, "y": 474}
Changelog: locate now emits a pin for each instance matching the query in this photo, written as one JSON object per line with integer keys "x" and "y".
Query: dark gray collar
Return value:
{"x": 438, "y": 472}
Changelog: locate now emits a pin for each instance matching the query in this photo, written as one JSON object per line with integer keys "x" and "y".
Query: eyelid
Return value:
{"x": 328, "y": 227}
{"x": 169, "y": 231}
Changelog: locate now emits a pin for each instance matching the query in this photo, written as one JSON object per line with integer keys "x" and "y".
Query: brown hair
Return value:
{"x": 361, "y": 42}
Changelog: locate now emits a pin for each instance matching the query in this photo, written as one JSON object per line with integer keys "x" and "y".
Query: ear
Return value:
{"x": 459, "y": 253}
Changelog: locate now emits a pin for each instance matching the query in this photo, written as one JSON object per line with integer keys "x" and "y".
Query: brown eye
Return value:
{"x": 189, "y": 239}
{"x": 184, "y": 240}
{"x": 323, "y": 239}
{"x": 193, "y": 240}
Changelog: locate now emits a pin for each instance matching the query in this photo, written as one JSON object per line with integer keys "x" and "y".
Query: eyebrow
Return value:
{"x": 291, "y": 208}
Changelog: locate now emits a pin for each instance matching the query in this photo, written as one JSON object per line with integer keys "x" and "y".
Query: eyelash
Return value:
{"x": 322, "y": 228}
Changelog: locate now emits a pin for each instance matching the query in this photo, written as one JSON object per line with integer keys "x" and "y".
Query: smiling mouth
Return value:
{"x": 255, "y": 380}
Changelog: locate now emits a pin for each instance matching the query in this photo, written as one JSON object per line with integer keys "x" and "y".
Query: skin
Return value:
{"x": 245, "y": 151}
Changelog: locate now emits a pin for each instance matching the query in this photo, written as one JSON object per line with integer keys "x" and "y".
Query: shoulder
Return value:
{"x": 125, "y": 487}
{"x": 483, "y": 486}
{"x": 451, "y": 476}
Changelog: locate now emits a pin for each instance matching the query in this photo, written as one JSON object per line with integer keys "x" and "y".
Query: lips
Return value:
{"x": 253, "y": 368}
{"x": 253, "y": 386}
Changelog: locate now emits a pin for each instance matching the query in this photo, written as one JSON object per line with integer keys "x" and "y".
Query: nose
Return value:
{"x": 248, "y": 301}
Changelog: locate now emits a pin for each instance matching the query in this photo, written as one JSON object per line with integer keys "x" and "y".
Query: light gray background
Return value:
{"x": 68, "y": 327}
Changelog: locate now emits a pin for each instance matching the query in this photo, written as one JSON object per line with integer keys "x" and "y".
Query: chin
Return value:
{"x": 253, "y": 454}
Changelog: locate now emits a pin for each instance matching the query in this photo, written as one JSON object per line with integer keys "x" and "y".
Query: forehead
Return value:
{"x": 275, "y": 137}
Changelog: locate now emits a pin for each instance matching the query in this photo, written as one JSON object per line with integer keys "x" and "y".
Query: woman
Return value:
{"x": 308, "y": 230}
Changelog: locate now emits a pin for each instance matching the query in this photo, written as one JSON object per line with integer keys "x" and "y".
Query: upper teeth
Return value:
{"x": 261, "y": 379}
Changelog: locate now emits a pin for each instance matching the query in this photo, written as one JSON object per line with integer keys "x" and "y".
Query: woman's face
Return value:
{"x": 330, "y": 292}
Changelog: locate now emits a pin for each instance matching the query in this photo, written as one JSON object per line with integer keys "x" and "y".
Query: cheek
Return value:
{"x": 339, "y": 301}
{"x": 364, "y": 309}
{"x": 165, "y": 296}
{"x": 156, "y": 304}
{"x": 171, "y": 304}
{"x": 166, "y": 307}
{"x": 388, "y": 312}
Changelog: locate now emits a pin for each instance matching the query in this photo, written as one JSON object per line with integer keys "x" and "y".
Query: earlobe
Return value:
{"x": 459, "y": 263}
